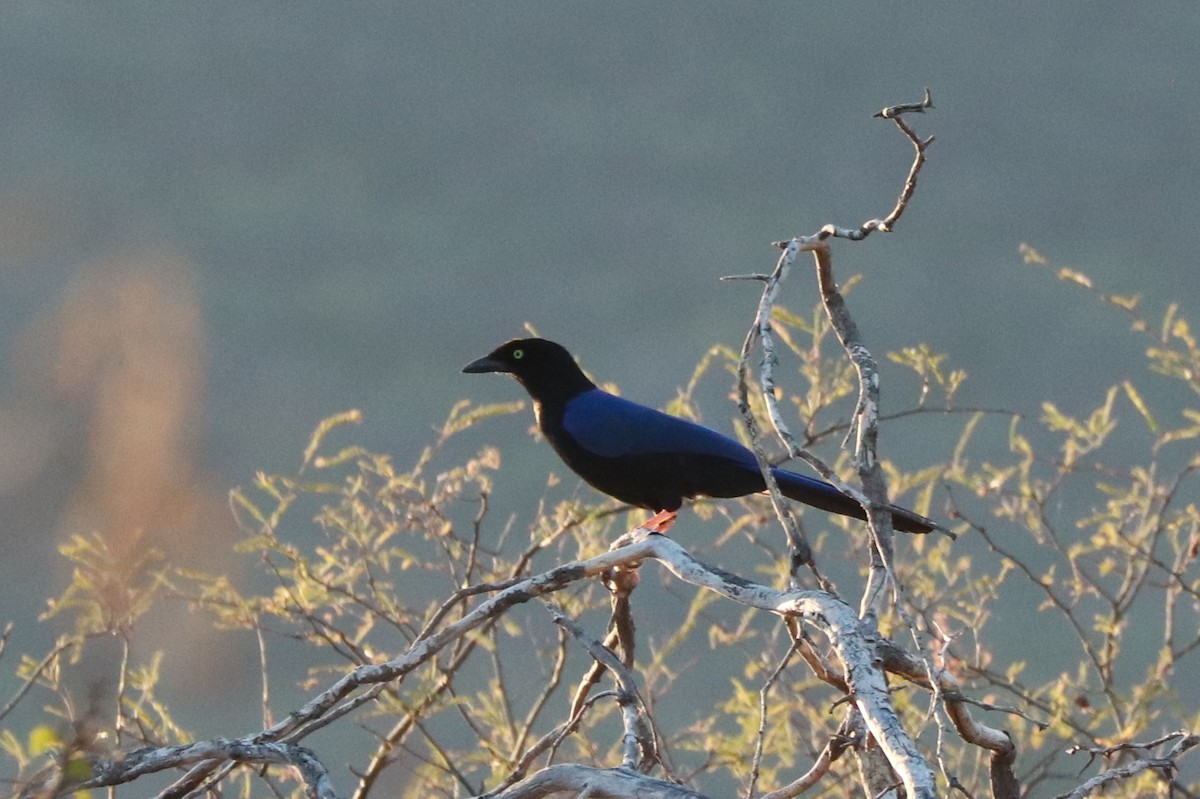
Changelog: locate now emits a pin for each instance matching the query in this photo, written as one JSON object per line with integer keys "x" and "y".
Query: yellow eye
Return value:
{"x": 518, "y": 354}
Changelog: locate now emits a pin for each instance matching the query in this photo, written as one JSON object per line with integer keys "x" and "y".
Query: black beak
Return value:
{"x": 486, "y": 364}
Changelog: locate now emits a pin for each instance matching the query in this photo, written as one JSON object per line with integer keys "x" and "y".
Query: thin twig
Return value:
{"x": 756, "y": 760}
{"x": 1167, "y": 764}
{"x": 51, "y": 656}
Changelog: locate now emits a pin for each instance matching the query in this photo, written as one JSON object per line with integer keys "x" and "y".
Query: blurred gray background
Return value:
{"x": 221, "y": 222}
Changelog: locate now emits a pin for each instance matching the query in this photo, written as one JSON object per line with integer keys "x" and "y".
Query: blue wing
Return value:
{"x": 610, "y": 426}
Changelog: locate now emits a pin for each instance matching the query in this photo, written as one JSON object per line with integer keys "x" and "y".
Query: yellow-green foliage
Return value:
{"x": 1065, "y": 607}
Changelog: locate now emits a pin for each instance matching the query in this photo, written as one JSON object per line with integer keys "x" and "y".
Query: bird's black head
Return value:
{"x": 546, "y": 369}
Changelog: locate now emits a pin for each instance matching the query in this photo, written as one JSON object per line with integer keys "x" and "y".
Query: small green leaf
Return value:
{"x": 352, "y": 416}
{"x": 1139, "y": 403}
{"x": 43, "y": 738}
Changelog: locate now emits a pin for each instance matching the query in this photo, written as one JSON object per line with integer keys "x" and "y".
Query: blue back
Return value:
{"x": 610, "y": 426}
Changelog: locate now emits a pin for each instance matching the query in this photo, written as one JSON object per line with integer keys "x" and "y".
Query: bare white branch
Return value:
{"x": 594, "y": 783}
{"x": 139, "y": 762}
{"x": 639, "y": 752}
{"x": 1167, "y": 764}
{"x": 853, "y": 642}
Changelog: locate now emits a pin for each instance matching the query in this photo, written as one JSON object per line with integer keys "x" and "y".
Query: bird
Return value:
{"x": 642, "y": 456}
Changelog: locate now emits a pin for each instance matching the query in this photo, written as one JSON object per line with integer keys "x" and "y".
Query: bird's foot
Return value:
{"x": 660, "y": 522}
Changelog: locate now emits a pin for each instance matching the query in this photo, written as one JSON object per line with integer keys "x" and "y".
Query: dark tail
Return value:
{"x": 820, "y": 494}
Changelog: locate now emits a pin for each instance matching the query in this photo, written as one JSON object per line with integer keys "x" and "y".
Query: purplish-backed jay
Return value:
{"x": 642, "y": 456}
